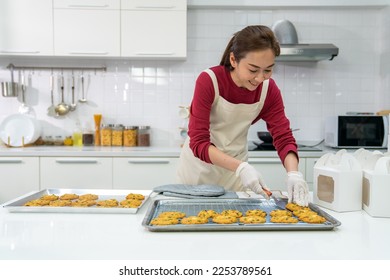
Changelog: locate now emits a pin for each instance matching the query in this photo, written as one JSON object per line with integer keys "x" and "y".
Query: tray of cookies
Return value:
{"x": 80, "y": 201}
{"x": 234, "y": 214}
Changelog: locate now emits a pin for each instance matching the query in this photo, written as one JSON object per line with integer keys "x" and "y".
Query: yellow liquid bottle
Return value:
{"x": 77, "y": 136}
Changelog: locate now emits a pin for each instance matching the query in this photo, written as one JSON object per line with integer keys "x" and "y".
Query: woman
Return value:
{"x": 228, "y": 99}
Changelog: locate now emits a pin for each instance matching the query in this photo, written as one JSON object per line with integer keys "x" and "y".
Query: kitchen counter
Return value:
{"x": 92, "y": 151}
{"x": 41, "y": 236}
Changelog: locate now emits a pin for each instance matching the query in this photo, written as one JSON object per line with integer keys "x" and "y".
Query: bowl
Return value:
{"x": 265, "y": 136}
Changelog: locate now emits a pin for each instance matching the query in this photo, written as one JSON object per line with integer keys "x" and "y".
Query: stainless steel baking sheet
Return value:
{"x": 16, "y": 205}
{"x": 192, "y": 206}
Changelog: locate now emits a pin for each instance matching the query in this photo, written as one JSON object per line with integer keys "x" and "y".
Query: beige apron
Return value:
{"x": 229, "y": 125}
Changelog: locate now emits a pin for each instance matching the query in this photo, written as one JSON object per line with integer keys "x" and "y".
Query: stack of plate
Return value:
{"x": 18, "y": 130}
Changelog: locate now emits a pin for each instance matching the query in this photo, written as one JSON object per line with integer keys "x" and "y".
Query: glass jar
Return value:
{"x": 130, "y": 136}
{"x": 106, "y": 135}
{"x": 143, "y": 136}
{"x": 117, "y": 135}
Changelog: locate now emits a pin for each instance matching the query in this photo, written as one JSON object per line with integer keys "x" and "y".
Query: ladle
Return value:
{"x": 62, "y": 108}
{"x": 82, "y": 99}
{"x": 23, "y": 109}
{"x": 73, "y": 105}
{"x": 51, "y": 111}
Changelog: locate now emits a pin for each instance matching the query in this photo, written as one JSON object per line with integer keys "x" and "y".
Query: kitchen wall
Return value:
{"x": 148, "y": 92}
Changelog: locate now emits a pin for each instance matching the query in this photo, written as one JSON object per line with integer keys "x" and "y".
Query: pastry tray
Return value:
{"x": 17, "y": 205}
{"x": 192, "y": 206}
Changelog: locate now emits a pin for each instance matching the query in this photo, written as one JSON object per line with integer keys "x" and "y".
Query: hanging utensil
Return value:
{"x": 62, "y": 108}
{"x": 51, "y": 111}
{"x": 23, "y": 109}
{"x": 73, "y": 105}
{"x": 10, "y": 89}
{"x": 82, "y": 99}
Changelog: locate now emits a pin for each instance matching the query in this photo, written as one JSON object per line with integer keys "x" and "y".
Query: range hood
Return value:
{"x": 292, "y": 50}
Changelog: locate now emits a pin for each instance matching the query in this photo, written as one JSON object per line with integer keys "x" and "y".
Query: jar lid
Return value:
{"x": 131, "y": 127}
{"x": 144, "y": 127}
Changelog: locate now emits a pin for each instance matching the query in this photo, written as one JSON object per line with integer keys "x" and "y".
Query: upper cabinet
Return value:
{"x": 26, "y": 27}
{"x": 87, "y": 28}
{"x": 154, "y": 28}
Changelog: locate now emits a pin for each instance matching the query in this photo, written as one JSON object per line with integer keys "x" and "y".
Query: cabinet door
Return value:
{"x": 154, "y": 29}
{"x": 273, "y": 171}
{"x": 143, "y": 173}
{"x": 26, "y": 27}
{"x": 86, "y": 32}
{"x": 19, "y": 175}
{"x": 89, "y": 4}
{"x": 76, "y": 173}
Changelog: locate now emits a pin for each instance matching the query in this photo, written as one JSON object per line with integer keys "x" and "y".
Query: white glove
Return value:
{"x": 297, "y": 188}
{"x": 252, "y": 179}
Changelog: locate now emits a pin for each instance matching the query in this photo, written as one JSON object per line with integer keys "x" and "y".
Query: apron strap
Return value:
{"x": 264, "y": 91}
{"x": 215, "y": 83}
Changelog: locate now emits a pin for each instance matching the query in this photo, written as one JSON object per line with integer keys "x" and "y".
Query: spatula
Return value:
{"x": 279, "y": 200}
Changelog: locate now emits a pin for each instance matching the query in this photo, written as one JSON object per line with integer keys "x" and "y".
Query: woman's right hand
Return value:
{"x": 252, "y": 179}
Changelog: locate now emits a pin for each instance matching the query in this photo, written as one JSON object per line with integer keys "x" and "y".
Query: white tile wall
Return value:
{"x": 149, "y": 92}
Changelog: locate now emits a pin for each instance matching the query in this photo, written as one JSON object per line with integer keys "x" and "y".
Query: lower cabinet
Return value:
{"x": 143, "y": 173}
{"x": 19, "y": 175}
{"x": 273, "y": 171}
{"x": 76, "y": 172}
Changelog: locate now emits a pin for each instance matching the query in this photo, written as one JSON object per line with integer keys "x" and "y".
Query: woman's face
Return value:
{"x": 252, "y": 69}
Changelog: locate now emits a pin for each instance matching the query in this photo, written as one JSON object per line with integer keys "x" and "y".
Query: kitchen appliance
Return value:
{"x": 356, "y": 131}
{"x": 292, "y": 50}
{"x": 337, "y": 182}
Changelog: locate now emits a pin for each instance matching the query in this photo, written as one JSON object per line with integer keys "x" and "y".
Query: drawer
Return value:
{"x": 163, "y": 5}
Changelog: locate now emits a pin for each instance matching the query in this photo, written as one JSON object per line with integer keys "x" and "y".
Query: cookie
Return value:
{"x": 164, "y": 221}
{"x": 252, "y": 220}
{"x": 284, "y": 220}
{"x": 313, "y": 219}
{"x": 292, "y": 207}
{"x": 69, "y": 196}
{"x": 50, "y": 197}
{"x": 88, "y": 196}
{"x": 194, "y": 220}
{"x": 231, "y": 212}
{"x": 60, "y": 203}
{"x": 135, "y": 196}
{"x": 222, "y": 219}
{"x": 256, "y": 212}
{"x": 275, "y": 213}
{"x": 37, "y": 202}
{"x": 172, "y": 214}
{"x": 83, "y": 203}
{"x": 107, "y": 203}
{"x": 130, "y": 203}
{"x": 207, "y": 214}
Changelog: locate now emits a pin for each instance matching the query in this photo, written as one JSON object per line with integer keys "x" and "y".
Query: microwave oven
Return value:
{"x": 357, "y": 131}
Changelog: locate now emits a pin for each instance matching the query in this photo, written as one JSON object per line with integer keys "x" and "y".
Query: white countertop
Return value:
{"x": 121, "y": 236}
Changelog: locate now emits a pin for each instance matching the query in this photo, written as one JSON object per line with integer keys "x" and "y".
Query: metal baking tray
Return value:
{"x": 192, "y": 206}
{"x": 17, "y": 205}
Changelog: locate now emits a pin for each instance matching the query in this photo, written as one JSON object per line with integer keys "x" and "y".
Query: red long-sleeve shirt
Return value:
{"x": 272, "y": 113}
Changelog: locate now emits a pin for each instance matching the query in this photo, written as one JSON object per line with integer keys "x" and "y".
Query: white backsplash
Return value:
{"x": 149, "y": 92}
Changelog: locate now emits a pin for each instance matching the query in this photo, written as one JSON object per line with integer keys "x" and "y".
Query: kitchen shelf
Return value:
{"x": 102, "y": 68}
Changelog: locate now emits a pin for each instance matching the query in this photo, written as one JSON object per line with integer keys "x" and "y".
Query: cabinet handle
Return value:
{"x": 265, "y": 161}
{"x": 170, "y": 53}
{"x": 148, "y": 161}
{"x": 10, "y": 161}
{"x": 155, "y": 7}
{"x": 74, "y": 160}
{"x": 88, "y": 6}
{"x": 3, "y": 51}
{"x": 89, "y": 53}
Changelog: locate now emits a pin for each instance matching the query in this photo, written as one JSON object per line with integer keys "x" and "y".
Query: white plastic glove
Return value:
{"x": 252, "y": 179}
{"x": 297, "y": 188}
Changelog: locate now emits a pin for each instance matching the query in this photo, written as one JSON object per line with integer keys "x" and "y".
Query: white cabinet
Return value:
{"x": 86, "y": 28}
{"x": 19, "y": 175}
{"x": 274, "y": 172}
{"x": 154, "y": 28}
{"x": 143, "y": 173}
{"x": 26, "y": 27}
{"x": 76, "y": 172}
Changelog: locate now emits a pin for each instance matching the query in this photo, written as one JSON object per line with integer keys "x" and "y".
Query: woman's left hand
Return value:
{"x": 297, "y": 188}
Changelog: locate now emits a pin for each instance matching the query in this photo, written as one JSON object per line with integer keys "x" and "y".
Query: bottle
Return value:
{"x": 143, "y": 136}
{"x": 97, "y": 119}
{"x": 88, "y": 135}
{"x": 77, "y": 135}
